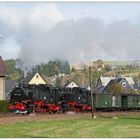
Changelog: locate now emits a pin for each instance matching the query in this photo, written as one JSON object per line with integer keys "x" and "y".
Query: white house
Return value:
{"x": 35, "y": 79}
{"x": 72, "y": 85}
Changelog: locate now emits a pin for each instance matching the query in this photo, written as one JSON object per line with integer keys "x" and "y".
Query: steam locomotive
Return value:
{"x": 27, "y": 98}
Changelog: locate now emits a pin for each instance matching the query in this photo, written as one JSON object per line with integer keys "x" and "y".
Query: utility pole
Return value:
{"x": 91, "y": 92}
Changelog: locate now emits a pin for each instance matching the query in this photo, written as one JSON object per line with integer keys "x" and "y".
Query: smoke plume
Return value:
{"x": 43, "y": 33}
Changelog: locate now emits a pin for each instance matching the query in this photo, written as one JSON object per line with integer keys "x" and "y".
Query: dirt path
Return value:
{"x": 11, "y": 118}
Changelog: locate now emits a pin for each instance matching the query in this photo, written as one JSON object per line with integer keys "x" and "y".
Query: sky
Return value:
{"x": 77, "y": 32}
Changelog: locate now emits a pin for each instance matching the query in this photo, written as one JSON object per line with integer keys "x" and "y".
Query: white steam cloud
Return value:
{"x": 42, "y": 33}
{"x": 9, "y": 48}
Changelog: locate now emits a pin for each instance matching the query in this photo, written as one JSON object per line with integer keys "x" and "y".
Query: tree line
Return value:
{"x": 53, "y": 67}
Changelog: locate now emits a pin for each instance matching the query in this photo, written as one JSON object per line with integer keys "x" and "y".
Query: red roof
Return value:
{"x": 2, "y": 68}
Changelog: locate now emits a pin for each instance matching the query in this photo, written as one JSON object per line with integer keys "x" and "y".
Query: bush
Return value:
{"x": 4, "y": 106}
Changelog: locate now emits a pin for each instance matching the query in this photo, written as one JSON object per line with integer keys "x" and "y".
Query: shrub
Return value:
{"x": 4, "y": 106}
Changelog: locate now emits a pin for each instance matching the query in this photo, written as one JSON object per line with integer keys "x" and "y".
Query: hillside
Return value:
{"x": 122, "y": 62}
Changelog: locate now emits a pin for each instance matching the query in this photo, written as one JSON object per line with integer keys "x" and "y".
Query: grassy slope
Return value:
{"x": 99, "y": 127}
{"x": 118, "y": 62}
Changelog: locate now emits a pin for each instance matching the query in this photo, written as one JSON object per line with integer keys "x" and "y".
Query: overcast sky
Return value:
{"x": 77, "y": 32}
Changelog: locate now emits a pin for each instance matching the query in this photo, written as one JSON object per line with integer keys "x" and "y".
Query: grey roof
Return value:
{"x": 102, "y": 83}
{"x": 100, "y": 89}
{"x": 9, "y": 85}
{"x": 130, "y": 80}
{"x": 105, "y": 80}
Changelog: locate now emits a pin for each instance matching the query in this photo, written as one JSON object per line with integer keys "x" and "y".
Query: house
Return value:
{"x": 119, "y": 85}
{"x": 35, "y": 79}
{"x": 102, "y": 82}
{"x": 2, "y": 79}
{"x": 71, "y": 85}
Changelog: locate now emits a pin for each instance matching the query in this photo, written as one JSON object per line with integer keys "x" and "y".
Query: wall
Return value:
{"x": 2, "y": 88}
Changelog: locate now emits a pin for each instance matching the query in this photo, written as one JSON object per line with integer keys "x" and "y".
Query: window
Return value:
{"x": 124, "y": 84}
{"x": 36, "y": 76}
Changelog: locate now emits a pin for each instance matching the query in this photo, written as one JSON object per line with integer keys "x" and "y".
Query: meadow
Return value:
{"x": 74, "y": 127}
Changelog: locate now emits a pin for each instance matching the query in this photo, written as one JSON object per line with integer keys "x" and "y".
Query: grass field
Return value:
{"x": 74, "y": 128}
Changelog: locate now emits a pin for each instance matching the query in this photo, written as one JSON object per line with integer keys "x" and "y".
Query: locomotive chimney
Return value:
{"x": 25, "y": 73}
{"x": 21, "y": 75}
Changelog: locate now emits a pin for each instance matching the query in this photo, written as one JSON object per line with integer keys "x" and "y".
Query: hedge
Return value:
{"x": 4, "y": 106}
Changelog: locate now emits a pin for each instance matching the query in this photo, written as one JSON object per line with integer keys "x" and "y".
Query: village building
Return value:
{"x": 2, "y": 79}
{"x": 35, "y": 79}
{"x": 102, "y": 83}
{"x": 71, "y": 85}
{"x": 119, "y": 85}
